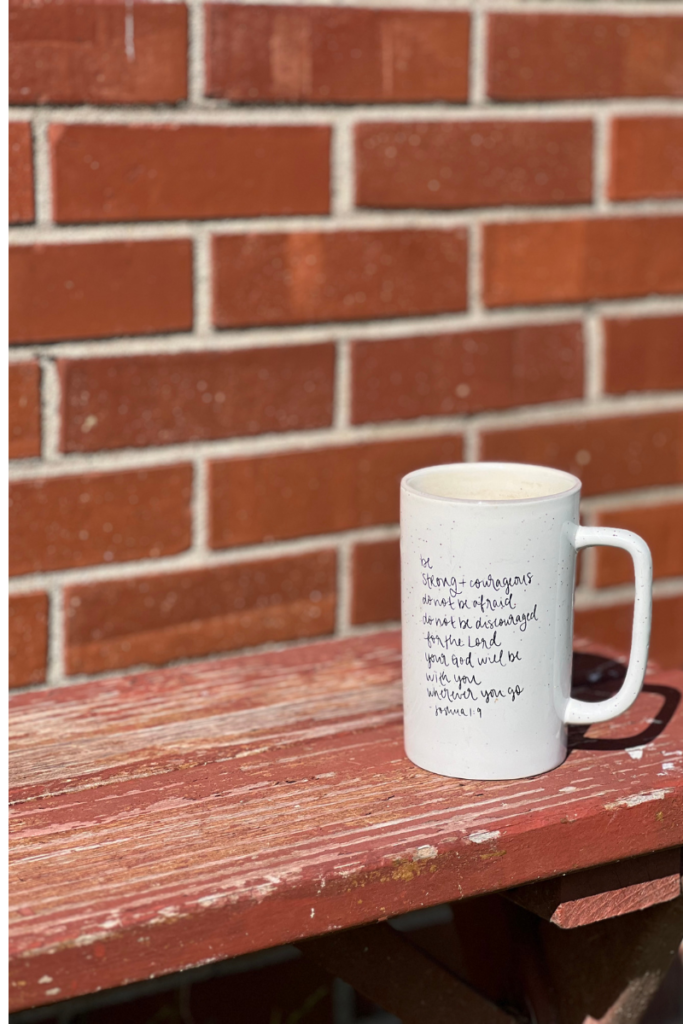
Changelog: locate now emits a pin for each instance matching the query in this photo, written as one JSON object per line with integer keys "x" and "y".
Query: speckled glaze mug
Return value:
{"x": 488, "y": 555}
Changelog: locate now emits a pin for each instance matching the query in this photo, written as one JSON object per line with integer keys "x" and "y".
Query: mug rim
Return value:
{"x": 408, "y": 485}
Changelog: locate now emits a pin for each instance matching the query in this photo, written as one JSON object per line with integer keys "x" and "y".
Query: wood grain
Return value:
{"x": 183, "y": 816}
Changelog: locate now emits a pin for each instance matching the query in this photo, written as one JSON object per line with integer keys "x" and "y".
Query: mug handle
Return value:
{"x": 581, "y": 712}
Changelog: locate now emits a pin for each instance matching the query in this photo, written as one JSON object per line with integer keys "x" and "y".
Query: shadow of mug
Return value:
{"x": 595, "y": 678}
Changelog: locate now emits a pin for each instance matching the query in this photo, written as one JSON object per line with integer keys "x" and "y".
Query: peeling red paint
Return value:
{"x": 187, "y": 815}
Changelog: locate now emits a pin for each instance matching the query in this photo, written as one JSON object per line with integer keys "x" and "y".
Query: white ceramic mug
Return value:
{"x": 488, "y": 555}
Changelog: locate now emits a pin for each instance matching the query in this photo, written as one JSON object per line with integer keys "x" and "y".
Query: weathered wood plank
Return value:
{"x": 601, "y": 893}
{"x": 187, "y": 815}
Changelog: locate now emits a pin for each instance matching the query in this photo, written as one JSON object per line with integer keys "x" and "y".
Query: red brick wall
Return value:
{"x": 267, "y": 259}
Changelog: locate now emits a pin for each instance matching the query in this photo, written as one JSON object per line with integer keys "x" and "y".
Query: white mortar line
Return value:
{"x": 606, "y": 597}
{"x": 478, "y": 59}
{"x": 344, "y": 587}
{"x": 558, "y": 413}
{"x": 601, "y": 161}
{"x": 587, "y": 7}
{"x": 222, "y": 113}
{"x": 341, "y": 416}
{"x": 124, "y": 460}
{"x": 42, "y": 176}
{"x": 50, "y": 411}
{"x": 356, "y": 220}
{"x": 471, "y": 443}
{"x": 475, "y": 253}
{"x": 314, "y": 333}
{"x": 134, "y": 460}
{"x": 192, "y": 560}
{"x": 200, "y": 507}
{"x": 642, "y": 498}
{"x": 606, "y": 407}
{"x": 342, "y": 169}
{"x": 648, "y": 307}
{"x": 202, "y": 287}
{"x": 595, "y": 358}
{"x": 195, "y": 54}
{"x": 55, "y": 667}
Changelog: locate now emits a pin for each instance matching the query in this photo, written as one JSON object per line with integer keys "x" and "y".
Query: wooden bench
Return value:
{"x": 184, "y": 816}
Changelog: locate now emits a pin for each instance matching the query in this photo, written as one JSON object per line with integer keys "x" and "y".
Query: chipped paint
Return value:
{"x": 483, "y": 836}
{"x": 637, "y": 798}
{"x": 425, "y": 853}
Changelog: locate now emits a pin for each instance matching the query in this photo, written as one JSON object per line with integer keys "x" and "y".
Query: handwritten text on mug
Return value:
{"x": 471, "y": 625}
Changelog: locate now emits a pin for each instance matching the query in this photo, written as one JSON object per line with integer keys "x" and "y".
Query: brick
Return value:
{"x": 646, "y": 158}
{"x": 95, "y": 518}
{"x": 439, "y": 165}
{"x": 195, "y": 396}
{"x": 580, "y": 260}
{"x": 99, "y": 289}
{"x": 27, "y": 638}
{"x": 74, "y": 52}
{"x": 172, "y": 171}
{"x": 20, "y": 173}
{"x": 156, "y": 619}
{"x": 612, "y": 626}
{"x": 644, "y": 354}
{"x": 447, "y": 374}
{"x": 574, "y": 56}
{"x": 376, "y": 587}
{"x": 24, "y": 410}
{"x": 661, "y": 526}
{"x": 619, "y": 453}
{"x": 291, "y": 54}
{"x": 273, "y": 497}
{"x": 342, "y": 275}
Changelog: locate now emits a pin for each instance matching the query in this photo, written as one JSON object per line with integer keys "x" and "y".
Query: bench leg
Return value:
{"x": 386, "y": 967}
{"x": 496, "y": 954}
{"x": 608, "y": 972}
{"x": 605, "y": 972}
